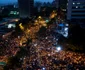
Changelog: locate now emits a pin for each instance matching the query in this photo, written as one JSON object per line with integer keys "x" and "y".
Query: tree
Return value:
{"x": 28, "y": 42}
{"x": 23, "y": 52}
{"x": 42, "y": 31}
{"x": 77, "y": 37}
{"x": 13, "y": 63}
{"x": 50, "y": 22}
{"x": 5, "y": 12}
{"x": 1, "y": 18}
{"x": 18, "y": 31}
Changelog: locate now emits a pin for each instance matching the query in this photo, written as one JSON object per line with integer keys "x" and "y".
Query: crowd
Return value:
{"x": 46, "y": 57}
{"x": 9, "y": 47}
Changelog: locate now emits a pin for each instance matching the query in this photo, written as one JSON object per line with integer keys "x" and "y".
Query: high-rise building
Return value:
{"x": 76, "y": 9}
{"x": 26, "y": 8}
{"x": 60, "y": 3}
{"x": 55, "y": 3}
{"x": 63, "y": 4}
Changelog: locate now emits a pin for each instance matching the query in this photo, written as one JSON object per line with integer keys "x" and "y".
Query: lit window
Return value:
{"x": 78, "y": 3}
{"x": 17, "y": 12}
{"x": 73, "y": 3}
{"x": 14, "y": 6}
{"x": 2, "y": 8}
{"x": 11, "y": 25}
{"x": 67, "y": 4}
{"x": 11, "y": 12}
{"x": 76, "y": 6}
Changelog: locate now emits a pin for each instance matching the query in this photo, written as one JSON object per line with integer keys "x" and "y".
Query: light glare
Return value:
{"x": 58, "y": 48}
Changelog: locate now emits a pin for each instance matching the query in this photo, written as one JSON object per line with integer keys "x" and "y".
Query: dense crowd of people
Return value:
{"x": 43, "y": 53}
{"x": 59, "y": 61}
{"x": 46, "y": 57}
{"x": 9, "y": 47}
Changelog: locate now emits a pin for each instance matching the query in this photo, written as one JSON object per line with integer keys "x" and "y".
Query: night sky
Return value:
{"x": 12, "y": 1}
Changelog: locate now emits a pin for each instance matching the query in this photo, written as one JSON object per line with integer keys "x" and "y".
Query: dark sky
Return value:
{"x": 11, "y": 1}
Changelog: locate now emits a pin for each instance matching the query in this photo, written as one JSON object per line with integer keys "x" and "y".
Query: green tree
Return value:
{"x": 13, "y": 63}
{"x": 42, "y": 31}
{"x": 23, "y": 52}
{"x": 1, "y": 18}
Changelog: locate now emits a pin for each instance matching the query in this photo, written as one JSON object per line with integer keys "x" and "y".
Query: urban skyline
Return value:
{"x": 13, "y": 1}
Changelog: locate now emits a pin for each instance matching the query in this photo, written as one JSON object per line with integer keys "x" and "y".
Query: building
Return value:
{"x": 60, "y": 4}
{"x": 63, "y": 4}
{"x": 55, "y": 3}
{"x": 76, "y": 9}
{"x": 26, "y": 8}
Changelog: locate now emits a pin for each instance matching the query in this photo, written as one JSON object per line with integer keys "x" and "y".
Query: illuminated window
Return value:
{"x": 76, "y": 6}
{"x": 67, "y": 4}
{"x": 11, "y": 25}
{"x": 78, "y": 3}
{"x": 17, "y": 12}
{"x": 11, "y": 12}
{"x": 73, "y": 3}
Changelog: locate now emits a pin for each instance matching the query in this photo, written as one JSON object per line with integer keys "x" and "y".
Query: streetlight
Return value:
{"x": 66, "y": 28}
{"x": 16, "y": 20}
{"x": 43, "y": 68}
{"x": 58, "y": 49}
{"x": 21, "y": 27}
